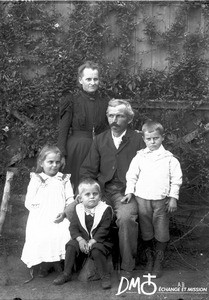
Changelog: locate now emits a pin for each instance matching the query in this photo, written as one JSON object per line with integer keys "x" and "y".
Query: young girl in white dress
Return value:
{"x": 48, "y": 194}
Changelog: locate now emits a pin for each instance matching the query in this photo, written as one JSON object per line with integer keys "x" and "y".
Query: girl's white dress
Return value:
{"x": 46, "y": 197}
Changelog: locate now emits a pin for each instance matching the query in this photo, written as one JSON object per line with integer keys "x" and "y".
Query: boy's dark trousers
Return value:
{"x": 70, "y": 258}
{"x": 99, "y": 258}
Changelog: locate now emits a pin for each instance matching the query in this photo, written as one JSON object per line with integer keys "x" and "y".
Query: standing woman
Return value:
{"x": 82, "y": 115}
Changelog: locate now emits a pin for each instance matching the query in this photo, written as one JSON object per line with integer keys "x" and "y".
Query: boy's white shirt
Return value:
{"x": 154, "y": 175}
{"x": 98, "y": 213}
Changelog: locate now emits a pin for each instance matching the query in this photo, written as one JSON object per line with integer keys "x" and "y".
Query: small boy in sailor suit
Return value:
{"x": 90, "y": 233}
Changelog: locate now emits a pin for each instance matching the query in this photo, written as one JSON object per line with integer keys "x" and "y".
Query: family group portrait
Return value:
{"x": 104, "y": 160}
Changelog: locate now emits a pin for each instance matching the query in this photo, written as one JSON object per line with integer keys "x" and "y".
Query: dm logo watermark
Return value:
{"x": 148, "y": 287}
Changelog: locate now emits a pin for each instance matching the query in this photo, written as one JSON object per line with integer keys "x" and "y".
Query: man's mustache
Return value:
{"x": 114, "y": 124}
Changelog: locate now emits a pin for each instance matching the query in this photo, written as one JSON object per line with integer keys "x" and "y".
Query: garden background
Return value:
{"x": 154, "y": 53}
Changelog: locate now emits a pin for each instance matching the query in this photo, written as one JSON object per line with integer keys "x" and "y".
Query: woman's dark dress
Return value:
{"x": 82, "y": 116}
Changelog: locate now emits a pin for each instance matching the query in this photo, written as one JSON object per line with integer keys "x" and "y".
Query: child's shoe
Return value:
{"x": 62, "y": 278}
{"x": 106, "y": 282}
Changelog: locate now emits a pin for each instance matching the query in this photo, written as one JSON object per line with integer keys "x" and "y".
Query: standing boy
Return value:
{"x": 154, "y": 177}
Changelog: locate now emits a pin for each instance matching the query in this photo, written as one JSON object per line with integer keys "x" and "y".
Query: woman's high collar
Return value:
{"x": 91, "y": 96}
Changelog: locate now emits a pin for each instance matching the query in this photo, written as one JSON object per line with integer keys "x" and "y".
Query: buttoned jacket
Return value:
{"x": 104, "y": 159}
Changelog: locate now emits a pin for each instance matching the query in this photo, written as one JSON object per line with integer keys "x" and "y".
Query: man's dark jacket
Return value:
{"x": 104, "y": 159}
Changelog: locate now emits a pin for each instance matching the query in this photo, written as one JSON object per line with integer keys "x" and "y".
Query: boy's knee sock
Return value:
{"x": 69, "y": 259}
{"x": 148, "y": 245}
{"x": 160, "y": 246}
{"x": 160, "y": 251}
{"x": 159, "y": 257}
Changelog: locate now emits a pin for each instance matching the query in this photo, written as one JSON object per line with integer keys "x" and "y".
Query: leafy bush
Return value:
{"x": 40, "y": 54}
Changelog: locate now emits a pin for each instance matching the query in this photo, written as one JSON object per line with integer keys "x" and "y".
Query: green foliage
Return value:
{"x": 40, "y": 56}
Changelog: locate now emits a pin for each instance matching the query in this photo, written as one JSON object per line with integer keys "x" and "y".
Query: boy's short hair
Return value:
{"x": 150, "y": 126}
{"x": 88, "y": 181}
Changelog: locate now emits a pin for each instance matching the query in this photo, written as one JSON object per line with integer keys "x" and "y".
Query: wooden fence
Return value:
{"x": 163, "y": 14}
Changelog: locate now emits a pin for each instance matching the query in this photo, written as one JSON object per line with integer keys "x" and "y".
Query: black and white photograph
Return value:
{"x": 104, "y": 150}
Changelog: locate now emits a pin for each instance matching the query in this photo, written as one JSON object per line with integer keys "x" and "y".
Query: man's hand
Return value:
{"x": 91, "y": 243}
{"x": 171, "y": 205}
{"x": 59, "y": 218}
{"x": 83, "y": 245}
{"x": 126, "y": 198}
